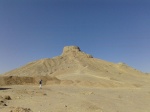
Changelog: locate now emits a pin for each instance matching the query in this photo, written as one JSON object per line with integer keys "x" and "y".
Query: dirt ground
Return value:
{"x": 60, "y": 98}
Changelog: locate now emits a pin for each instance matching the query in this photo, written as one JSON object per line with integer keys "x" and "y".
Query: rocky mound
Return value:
{"x": 76, "y": 67}
{"x": 46, "y": 67}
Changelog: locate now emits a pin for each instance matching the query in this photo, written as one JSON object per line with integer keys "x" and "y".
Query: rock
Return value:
{"x": 71, "y": 49}
{"x": 74, "y": 51}
{"x": 20, "y": 109}
{"x": 17, "y": 97}
{"x": 7, "y": 97}
{"x": 45, "y": 94}
{"x": 4, "y": 104}
{"x": 2, "y": 101}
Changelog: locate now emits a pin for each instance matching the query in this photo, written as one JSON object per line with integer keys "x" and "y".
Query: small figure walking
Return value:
{"x": 40, "y": 84}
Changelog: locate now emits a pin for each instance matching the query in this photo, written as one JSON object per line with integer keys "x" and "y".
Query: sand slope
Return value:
{"x": 78, "y": 68}
{"x": 74, "y": 82}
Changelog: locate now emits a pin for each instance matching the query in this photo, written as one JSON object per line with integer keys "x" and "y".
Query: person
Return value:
{"x": 40, "y": 84}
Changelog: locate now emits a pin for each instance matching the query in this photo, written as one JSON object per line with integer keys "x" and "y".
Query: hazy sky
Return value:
{"x": 111, "y": 30}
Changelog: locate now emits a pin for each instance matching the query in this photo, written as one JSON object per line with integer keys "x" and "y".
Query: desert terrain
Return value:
{"x": 74, "y": 82}
{"x": 58, "y": 98}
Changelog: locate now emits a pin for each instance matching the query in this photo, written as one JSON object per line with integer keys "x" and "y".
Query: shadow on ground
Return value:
{"x": 4, "y": 88}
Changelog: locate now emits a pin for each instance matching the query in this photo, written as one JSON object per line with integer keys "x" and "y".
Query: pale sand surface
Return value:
{"x": 59, "y": 98}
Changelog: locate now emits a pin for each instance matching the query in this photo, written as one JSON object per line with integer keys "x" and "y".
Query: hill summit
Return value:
{"x": 75, "y": 66}
{"x": 69, "y": 59}
{"x": 74, "y": 51}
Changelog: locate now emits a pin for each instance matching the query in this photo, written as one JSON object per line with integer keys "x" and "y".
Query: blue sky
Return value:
{"x": 111, "y": 30}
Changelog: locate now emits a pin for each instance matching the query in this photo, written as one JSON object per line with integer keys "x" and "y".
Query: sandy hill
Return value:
{"x": 76, "y": 67}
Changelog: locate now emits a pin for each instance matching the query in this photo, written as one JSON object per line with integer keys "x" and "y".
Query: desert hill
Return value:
{"x": 76, "y": 67}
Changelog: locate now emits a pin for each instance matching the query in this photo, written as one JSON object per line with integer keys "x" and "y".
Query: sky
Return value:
{"x": 111, "y": 30}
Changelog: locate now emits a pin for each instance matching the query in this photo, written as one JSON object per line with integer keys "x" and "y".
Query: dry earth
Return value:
{"x": 59, "y": 98}
{"x": 75, "y": 82}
